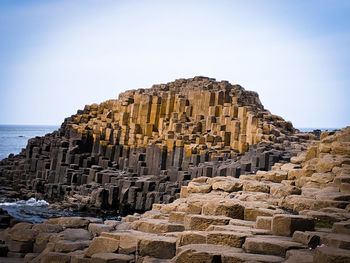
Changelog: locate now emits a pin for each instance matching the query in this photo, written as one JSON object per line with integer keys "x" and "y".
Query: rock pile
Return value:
{"x": 129, "y": 153}
{"x": 296, "y": 212}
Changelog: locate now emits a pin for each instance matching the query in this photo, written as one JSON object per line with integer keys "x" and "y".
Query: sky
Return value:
{"x": 57, "y": 56}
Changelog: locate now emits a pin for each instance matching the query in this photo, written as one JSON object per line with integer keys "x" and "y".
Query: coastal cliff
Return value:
{"x": 124, "y": 155}
{"x": 298, "y": 212}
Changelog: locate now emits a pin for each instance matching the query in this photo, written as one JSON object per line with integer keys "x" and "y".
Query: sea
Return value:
{"x": 15, "y": 137}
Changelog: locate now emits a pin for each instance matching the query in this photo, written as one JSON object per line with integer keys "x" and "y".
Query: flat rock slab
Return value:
{"x": 200, "y": 222}
{"x": 271, "y": 245}
{"x": 200, "y": 253}
{"x": 97, "y": 229}
{"x": 72, "y": 235}
{"x": 69, "y": 222}
{"x": 226, "y": 238}
{"x": 156, "y": 226}
{"x": 112, "y": 258}
{"x": 239, "y": 229}
{"x": 51, "y": 257}
{"x": 299, "y": 256}
{"x": 331, "y": 255}
{"x": 336, "y": 240}
{"x": 66, "y": 246}
{"x": 102, "y": 245}
{"x": 286, "y": 225}
{"x": 156, "y": 246}
{"x": 191, "y": 237}
{"x": 247, "y": 257}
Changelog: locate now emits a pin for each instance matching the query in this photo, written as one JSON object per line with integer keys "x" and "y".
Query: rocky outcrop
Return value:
{"x": 126, "y": 154}
{"x": 288, "y": 214}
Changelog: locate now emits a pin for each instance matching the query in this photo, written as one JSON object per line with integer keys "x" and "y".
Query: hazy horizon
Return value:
{"x": 57, "y": 56}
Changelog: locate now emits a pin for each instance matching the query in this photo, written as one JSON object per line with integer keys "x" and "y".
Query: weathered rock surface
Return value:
{"x": 212, "y": 226}
{"x": 129, "y": 153}
{"x": 293, "y": 212}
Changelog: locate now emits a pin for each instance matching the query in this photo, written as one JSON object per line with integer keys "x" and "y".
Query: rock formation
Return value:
{"x": 126, "y": 154}
{"x": 298, "y": 212}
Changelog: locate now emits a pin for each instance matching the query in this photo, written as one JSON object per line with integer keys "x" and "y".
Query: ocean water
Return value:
{"x": 15, "y": 137}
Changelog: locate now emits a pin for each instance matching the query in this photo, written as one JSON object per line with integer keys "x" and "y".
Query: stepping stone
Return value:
{"x": 127, "y": 239}
{"x": 331, "y": 255}
{"x": 200, "y": 222}
{"x": 155, "y": 260}
{"x": 156, "y": 226}
{"x": 156, "y": 246}
{"x": 286, "y": 225}
{"x": 299, "y": 256}
{"x": 72, "y": 235}
{"x": 65, "y": 246}
{"x": 176, "y": 217}
{"x": 229, "y": 208}
{"x": 97, "y": 229}
{"x": 251, "y": 213}
{"x": 239, "y": 222}
{"x": 336, "y": 240}
{"x": 263, "y": 222}
{"x": 239, "y": 229}
{"x": 226, "y": 238}
{"x": 341, "y": 227}
{"x": 271, "y": 245}
{"x": 48, "y": 228}
{"x": 191, "y": 237}
{"x": 102, "y": 245}
{"x": 55, "y": 257}
{"x": 309, "y": 238}
{"x": 112, "y": 258}
{"x": 247, "y": 257}
{"x": 198, "y": 253}
{"x": 69, "y": 222}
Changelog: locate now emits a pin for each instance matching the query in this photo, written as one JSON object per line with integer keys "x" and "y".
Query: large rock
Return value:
{"x": 226, "y": 238}
{"x": 201, "y": 222}
{"x": 229, "y": 208}
{"x": 112, "y": 258}
{"x": 331, "y": 255}
{"x": 200, "y": 253}
{"x": 69, "y": 222}
{"x": 66, "y": 246}
{"x": 156, "y": 246}
{"x": 286, "y": 225}
{"x": 271, "y": 245}
{"x": 102, "y": 245}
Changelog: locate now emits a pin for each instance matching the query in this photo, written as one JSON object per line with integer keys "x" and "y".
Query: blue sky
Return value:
{"x": 57, "y": 56}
